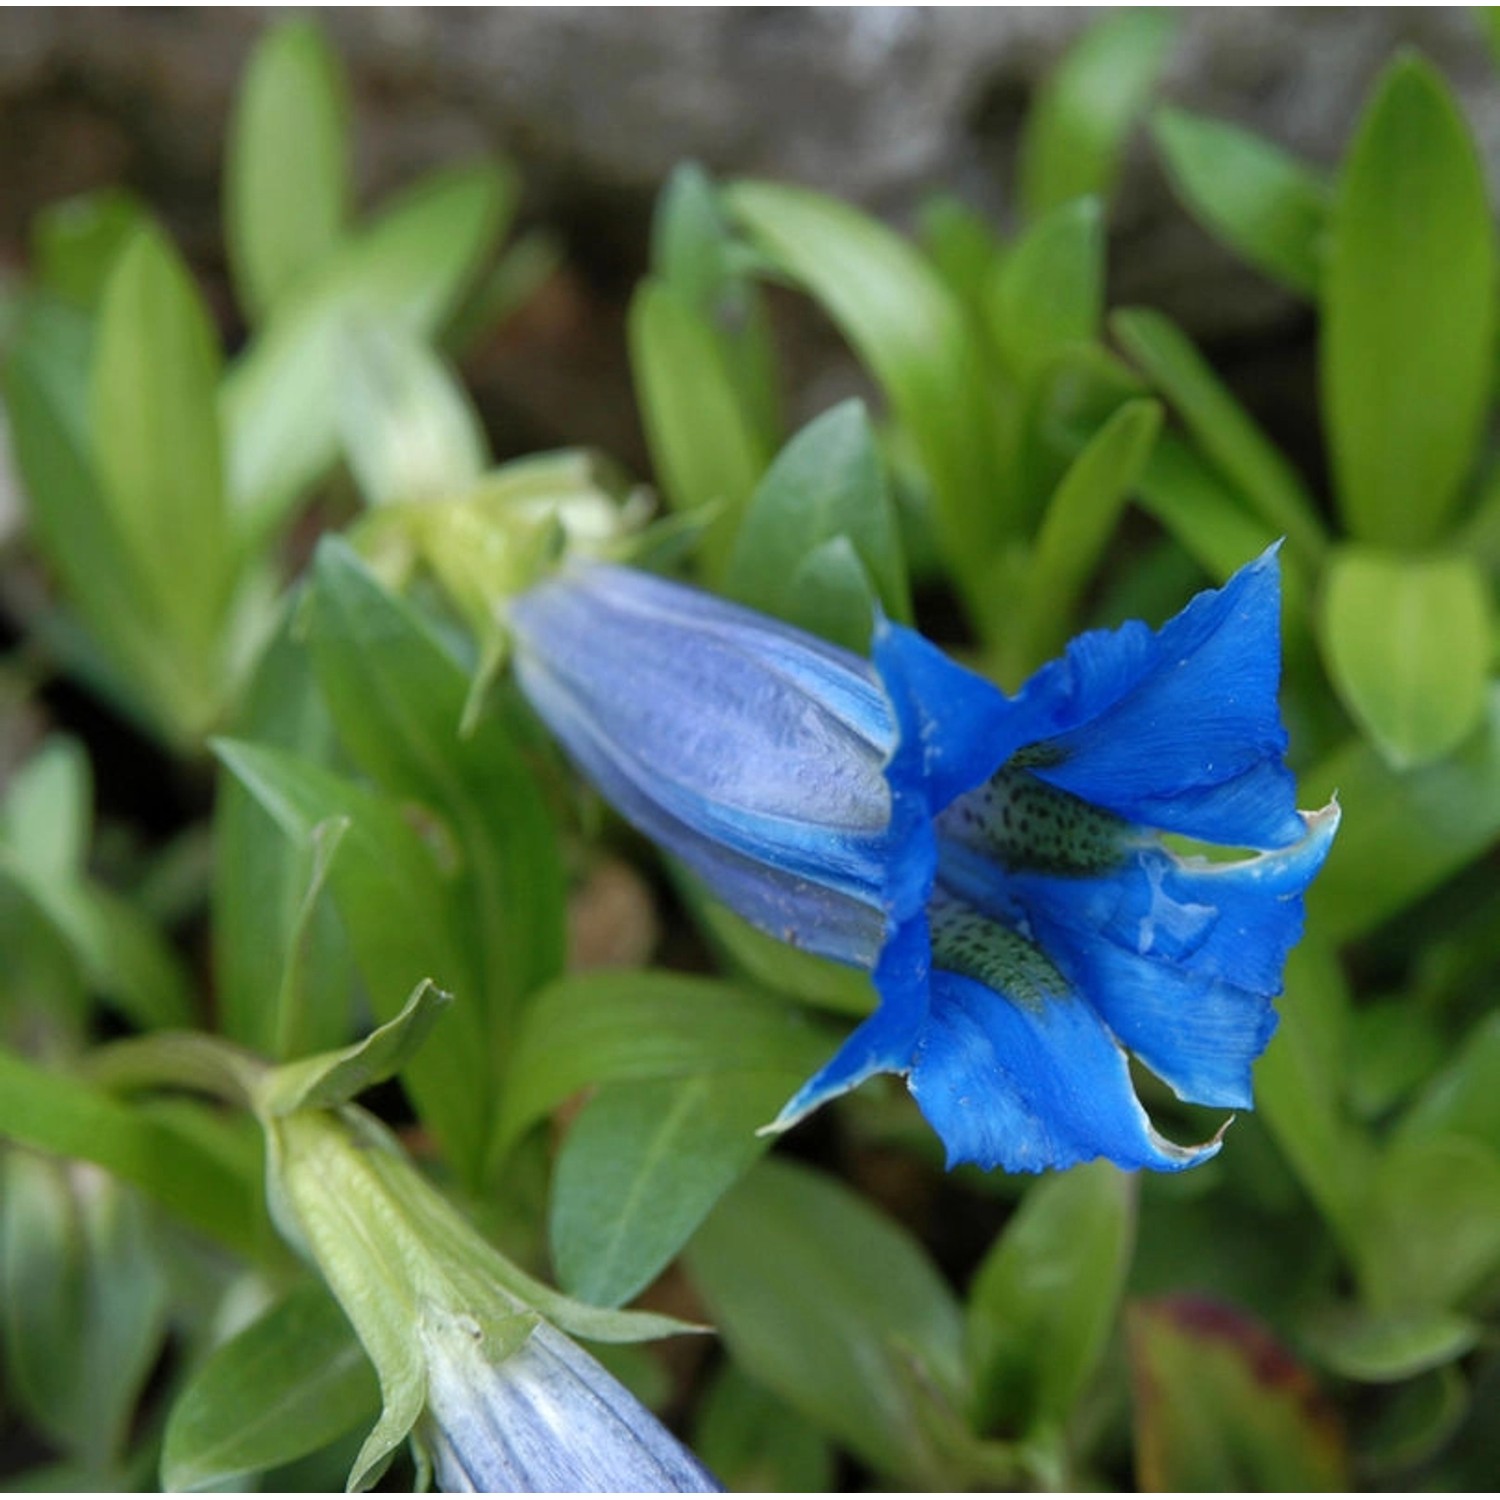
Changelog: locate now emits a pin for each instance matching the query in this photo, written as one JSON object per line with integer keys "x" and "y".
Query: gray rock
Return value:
{"x": 879, "y": 105}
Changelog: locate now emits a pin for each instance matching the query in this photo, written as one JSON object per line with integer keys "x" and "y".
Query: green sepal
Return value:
{"x": 335, "y": 1078}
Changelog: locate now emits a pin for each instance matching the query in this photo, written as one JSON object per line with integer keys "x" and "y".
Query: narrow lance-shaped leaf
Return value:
{"x": 155, "y": 433}
{"x": 1076, "y": 131}
{"x": 1226, "y": 433}
{"x": 1409, "y": 311}
{"x": 287, "y": 183}
{"x": 910, "y": 329}
{"x": 1048, "y": 291}
{"x": 1263, "y": 203}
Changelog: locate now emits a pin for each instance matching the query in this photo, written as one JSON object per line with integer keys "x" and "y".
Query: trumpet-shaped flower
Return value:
{"x": 1009, "y": 867}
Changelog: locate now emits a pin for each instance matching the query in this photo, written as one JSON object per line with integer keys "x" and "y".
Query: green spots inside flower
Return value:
{"x": 1024, "y": 824}
{"x": 965, "y": 942}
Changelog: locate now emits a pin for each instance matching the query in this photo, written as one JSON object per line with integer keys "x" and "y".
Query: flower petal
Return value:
{"x": 1179, "y": 728}
{"x": 550, "y": 1418}
{"x": 1030, "y": 1087}
{"x": 751, "y": 751}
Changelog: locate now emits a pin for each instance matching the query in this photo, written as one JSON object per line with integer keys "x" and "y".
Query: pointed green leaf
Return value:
{"x": 1220, "y": 1405}
{"x": 826, "y": 484}
{"x": 1226, "y": 433}
{"x": 334, "y": 1078}
{"x": 47, "y": 814}
{"x": 704, "y": 446}
{"x": 396, "y": 910}
{"x": 836, "y": 1310}
{"x": 1394, "y": 1346}
{"x": 1048, "y": 292}
{"x": 752, "y": 1441}
{"x": 150, "y": 1149}
{"x": 1076, "y": 132}
{"x": 291, "y": 1382}
{"x": 398, "y": 697}
{"x": 155, "y": 432}
{"x": 1263, "y": 203}
{"x": 1080, "y": 519}
{"x": 287, "y": 185}
{"x": 643, "y": 1164}
{"x": 410, "y": 268}
{"x": 1409, "y": 311}
{"x": 910, "y": 330}
{"x": 1045, "y": 1299}
{"x": 261, "y": 880}
{"x": 1408, "y": 646}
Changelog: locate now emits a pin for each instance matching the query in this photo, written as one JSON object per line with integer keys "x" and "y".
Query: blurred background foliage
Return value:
{"x": 255, "y": 597}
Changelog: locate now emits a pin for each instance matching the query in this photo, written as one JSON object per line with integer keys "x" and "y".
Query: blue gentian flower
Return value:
{"x": 1009, "y": 867}
{"x": 547, "y": 1419}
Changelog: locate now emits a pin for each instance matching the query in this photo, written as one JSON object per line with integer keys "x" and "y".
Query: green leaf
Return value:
{"x": 838, "y": 598}
{"x": 1263, "y": 203}
{"x": 1203, "y": 515}
{"x": 47, "y": 814}
{"x": 1430, "y": 1230}
{"x": 151, "y": 1150}
{"x": 410, "y": 269}
{"x": 1464, "y": 1098}
{"x": 834, "y": 1309}
{"x": 1219, "y": 1405}
{"x": 1047, "y": 294}
{"x": 1404, "y": 833}
{"x": 753, "y": 1442}
{"x": 261, "y": 879}
{"x": 1080, "y": 520}
{"x": 827, "y": 483}
{"x": 613, "y": 1027}
{"x": 1396, "y": 1346}
{"x": 155, "y": 432}
{"x": 334, "y": 1078}
{"x": 1225, "y": 432}
{"x": 641, "y": 1167}
{"x": 1408, "y": 308}
{"x": 1046, "y": 1297}
{"x": 1407, "y": 642}
{"x": 75, "y": 242}
{"x": 911, "y": 331}
{"x": 291, "y": 1382}
{"x": 398, "y": 697}
{"x": 46, "y": 397}
{"x": 85, "y": 1303}
{"x": 409, "y": 430}
{"x": 1299, "y": 1086}
{"x": 704, "y": 447}
{"x": 397, "y": 912}
{"x": 961, "y": 245}
{"x": 1075, "y": 134}
{"x": 287, "y": 185}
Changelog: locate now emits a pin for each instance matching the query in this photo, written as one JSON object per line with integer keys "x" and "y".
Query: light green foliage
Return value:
{"x": 1408, "y": 308}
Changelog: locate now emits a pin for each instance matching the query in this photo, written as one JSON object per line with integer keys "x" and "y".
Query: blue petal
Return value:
{"x": 1182, "y": 958}
{"x": 751, "y": 751}
{"x": 885, "y": 1042}
{"x": 1026, "y": 1088}
{"x": 549, "y": 1419}
{"x": 1179, "y": 728}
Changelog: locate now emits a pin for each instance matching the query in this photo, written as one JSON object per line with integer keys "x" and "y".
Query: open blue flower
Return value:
{"x": 1004, "y": 865}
